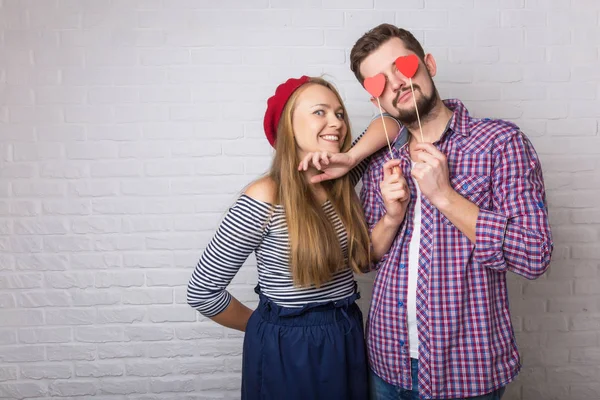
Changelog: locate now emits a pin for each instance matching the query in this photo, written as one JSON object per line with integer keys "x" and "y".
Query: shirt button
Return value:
{"x": 401, "y": 303}
{"x": 402, "y": 266}
{"x": 540, "y": 204}
{"x": 408, "y": 231}
{"x": 402, "y": 343}
{"x": 465, "y": 186}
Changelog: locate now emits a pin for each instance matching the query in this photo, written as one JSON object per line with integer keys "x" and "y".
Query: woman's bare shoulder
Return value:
{"x": 263, "y": 189}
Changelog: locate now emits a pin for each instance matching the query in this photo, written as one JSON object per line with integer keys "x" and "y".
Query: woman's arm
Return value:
{"x": 240, "y": 233}
{"x": 235, "y": 316}
{"x": 374, "y": 138}
{"x": 335, "y": 165}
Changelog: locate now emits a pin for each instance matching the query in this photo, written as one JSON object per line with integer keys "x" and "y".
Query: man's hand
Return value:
{"x": 431, "y": 173}
{"x": 394, "y": 191}
{"x": 332, "y": 165}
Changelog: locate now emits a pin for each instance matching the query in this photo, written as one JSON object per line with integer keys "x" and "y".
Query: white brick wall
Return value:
{"x": 128, "y": 127}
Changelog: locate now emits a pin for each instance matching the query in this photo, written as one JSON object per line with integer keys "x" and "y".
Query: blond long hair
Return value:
{"x": 315, "y": 250}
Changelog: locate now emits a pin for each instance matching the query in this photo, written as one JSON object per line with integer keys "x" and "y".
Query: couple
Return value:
{"x": 441, "y": 221}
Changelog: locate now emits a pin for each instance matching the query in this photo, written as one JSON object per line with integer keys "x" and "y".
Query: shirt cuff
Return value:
{"x": 489, "y": 240}
{"x": 216, "y": 305}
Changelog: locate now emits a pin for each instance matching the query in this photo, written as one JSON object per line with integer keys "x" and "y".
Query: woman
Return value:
{"x": 305, "y": 340}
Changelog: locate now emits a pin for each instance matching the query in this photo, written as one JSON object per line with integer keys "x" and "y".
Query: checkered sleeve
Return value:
{"x": 515, "y": 235}
{"x": 357, "y": 172}
{"x": 372, "y": 202}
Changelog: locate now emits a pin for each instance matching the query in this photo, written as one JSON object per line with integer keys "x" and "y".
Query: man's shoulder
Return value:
{"x": 492, "y": 131}
{"x": 373, "y": 171}
{"x": 492, "y": 126}
{"x": 379, "y": 157}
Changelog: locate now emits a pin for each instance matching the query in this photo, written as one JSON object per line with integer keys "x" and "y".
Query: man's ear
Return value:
{"x": 430, "y": 64}
{"x": 374, "y": 102}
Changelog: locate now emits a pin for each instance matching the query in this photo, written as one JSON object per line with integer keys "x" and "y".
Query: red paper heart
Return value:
{"x": 375, "y": 85}
{"x": 408, "y": 65}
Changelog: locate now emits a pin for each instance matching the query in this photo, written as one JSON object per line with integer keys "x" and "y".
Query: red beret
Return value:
{"x": 276, "y": 104}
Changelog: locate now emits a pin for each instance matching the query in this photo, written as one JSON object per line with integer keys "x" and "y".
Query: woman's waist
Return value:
{"x": 317, "y": 311}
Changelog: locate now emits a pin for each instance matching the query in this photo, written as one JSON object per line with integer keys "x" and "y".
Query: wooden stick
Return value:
{"x": 416, "y": 109}
{"x": 384, "y": 128}
{"x": 396, "y": 170}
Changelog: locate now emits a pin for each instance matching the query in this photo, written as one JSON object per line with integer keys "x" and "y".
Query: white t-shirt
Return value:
{"x": 413, "y": 273}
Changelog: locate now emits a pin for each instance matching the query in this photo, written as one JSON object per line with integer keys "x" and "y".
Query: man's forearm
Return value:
{"x": 383, "y": 236}
{"x": 461, "y": 212}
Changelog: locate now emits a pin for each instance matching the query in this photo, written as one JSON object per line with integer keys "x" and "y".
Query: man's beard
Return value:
{"x": 424, "y": 104}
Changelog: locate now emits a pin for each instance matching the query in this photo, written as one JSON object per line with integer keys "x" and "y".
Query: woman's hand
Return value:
{"x": 332, "y": 165}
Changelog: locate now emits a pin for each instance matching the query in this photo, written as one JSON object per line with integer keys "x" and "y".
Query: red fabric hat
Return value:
{"x": 276, "y": 104}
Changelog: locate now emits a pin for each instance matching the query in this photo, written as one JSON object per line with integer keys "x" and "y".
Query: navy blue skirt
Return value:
{"x": 309, "y": 353}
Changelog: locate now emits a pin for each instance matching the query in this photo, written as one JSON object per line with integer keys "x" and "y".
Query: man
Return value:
{"x": 440, "y": 309}
{"x": 445, "y": 232}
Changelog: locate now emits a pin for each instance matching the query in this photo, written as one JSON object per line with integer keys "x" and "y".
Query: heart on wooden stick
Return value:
{"x": 375, "y": 85}
{"x": 408, "y": 65}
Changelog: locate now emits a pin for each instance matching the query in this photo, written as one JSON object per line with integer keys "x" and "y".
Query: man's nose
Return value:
{"x": 397, "y": 81}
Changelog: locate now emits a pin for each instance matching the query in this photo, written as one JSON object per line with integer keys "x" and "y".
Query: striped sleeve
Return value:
{"x": 372, "y": 202}
{"x": 240, "y": 233}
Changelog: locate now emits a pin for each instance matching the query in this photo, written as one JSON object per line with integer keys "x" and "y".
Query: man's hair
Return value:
{"x": 377, "y": 36}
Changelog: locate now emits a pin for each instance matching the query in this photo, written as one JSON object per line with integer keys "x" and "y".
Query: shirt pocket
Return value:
{"x": 475, "y": 188}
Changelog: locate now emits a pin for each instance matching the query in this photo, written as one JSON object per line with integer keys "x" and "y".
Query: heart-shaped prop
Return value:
{"x": 408, "y": 65}
{"x": 375, "y": 85}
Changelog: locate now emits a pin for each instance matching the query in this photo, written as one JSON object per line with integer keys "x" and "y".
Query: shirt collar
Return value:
{"x": 459, "y": 123}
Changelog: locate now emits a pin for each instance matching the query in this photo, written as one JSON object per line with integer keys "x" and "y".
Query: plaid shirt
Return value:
{"x": 466, "y": 341}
